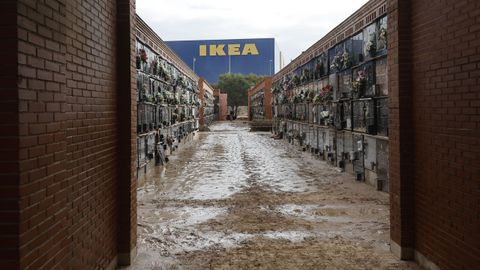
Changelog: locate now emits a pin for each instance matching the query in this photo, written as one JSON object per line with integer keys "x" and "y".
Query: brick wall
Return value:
{"x": 91, "y": 131}
{"x": 435, "y": 109}
{"x": 44, "y": 170}
{"x": 446, "y": 105}
{"x": 266, "y": 86}
{"x": 201, "y": 97}
{"x": 9, "y": 166}
{"x": 61, "y": 198}
{"x": 223, "y": 98}
{"x": 127, "y": 132}
{"x": 401, "y": 159}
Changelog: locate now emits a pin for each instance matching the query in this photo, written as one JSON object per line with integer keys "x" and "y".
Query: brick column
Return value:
{"x": 67, "y": 147}
{"x": 401, "y": 155}
{"x": 9, "y": 140}
{"x": 127, "y": 144}
{"x": 201, "y": 110}
{"x": 267, "y": 102}
{"x": 43, "y": 183}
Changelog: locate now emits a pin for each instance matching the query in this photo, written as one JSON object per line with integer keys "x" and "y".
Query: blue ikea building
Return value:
{"x": 211, "y": 58}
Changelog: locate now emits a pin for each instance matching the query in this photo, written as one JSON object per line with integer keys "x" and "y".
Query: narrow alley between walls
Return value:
{"x": 234, "y": 199}
{"x": 136, "y": 134}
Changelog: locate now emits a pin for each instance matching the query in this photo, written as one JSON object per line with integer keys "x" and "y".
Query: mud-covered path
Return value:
{"x": 241, "y": 200}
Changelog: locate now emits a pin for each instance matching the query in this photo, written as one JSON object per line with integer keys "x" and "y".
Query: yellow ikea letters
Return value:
{"x": 217, "y": 50}
{"x": 232, "y": 49}
{"x": 250, "y": 48}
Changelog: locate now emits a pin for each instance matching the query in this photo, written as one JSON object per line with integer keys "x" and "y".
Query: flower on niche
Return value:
{"x": 155, "y": 66}
{"x": 326, "y": 93}
{"x": 370, "y": 47}
{"x": 359, "y": 81}
{"x": 325, "y": 114}
{"x": 383, "y": 34}
{"x": 296, "y": 80}
{"x": 143, "y": 56}
{"x": 337, "y": 62}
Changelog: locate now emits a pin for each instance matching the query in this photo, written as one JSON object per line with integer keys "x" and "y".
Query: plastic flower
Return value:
{"x": 370, "y": 46}
{"x": 383, "y": 33}
{"x": 143, "y": 55}
{"x": 359, "y": 80}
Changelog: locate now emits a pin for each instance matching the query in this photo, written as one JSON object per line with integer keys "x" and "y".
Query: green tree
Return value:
{"x": 236, "y": 86}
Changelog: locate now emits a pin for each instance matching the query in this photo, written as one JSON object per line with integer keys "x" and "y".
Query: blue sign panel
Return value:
{"x": 211, "y": 58}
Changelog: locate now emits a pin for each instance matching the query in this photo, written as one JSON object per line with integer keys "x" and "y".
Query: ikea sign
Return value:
{"x": 233, "y": 49}
{"x": 211, "y": 58}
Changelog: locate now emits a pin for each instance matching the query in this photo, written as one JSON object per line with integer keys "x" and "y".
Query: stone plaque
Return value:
{"x": 347, "y": 115}
{"x": 382, "y": 116}
{"x": 357, "y": 49}
{"x": 381, "y": 79}
{"x": 358, "y": 162}
{"x": 345, "y": 83}
{"x": 370, "y": 153}
{"x": 359, "y": 116}
{"x": 382, "y": 159}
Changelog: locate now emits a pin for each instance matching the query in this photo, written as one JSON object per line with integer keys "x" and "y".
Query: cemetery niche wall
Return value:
{"x": 208, "y": 103}
{"x": 333, "y": 100}
{"x": 168, "y": 100}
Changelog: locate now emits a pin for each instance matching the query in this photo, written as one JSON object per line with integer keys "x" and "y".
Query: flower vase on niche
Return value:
{"x": 359, "y": 84}
{"x": 382, "y": 38}
{"x": 138, "y": 62}
{"x": 346, "y": 61}
{"x": 143, "y": 60}
{"x": 371, "y": 48}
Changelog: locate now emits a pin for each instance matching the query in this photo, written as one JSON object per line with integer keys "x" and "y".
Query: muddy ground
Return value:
{"x": 233, "y": 199}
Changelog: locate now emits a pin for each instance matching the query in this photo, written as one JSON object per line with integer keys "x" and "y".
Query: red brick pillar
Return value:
{"x": 401, "y": 156}
{"x": 201, "y": 110}
{"x": 67, "y": 147}
{"x": 127, "y": 144}
{"x": 44, "y": 175}
{"x": 9, "y": 138}
{"x": 267, "y": 102}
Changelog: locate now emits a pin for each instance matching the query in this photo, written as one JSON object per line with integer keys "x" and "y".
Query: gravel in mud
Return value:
{"x": 233, "y": 199}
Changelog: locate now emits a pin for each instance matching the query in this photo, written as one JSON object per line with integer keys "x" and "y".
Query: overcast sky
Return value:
{"x": 295, "y": 24}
